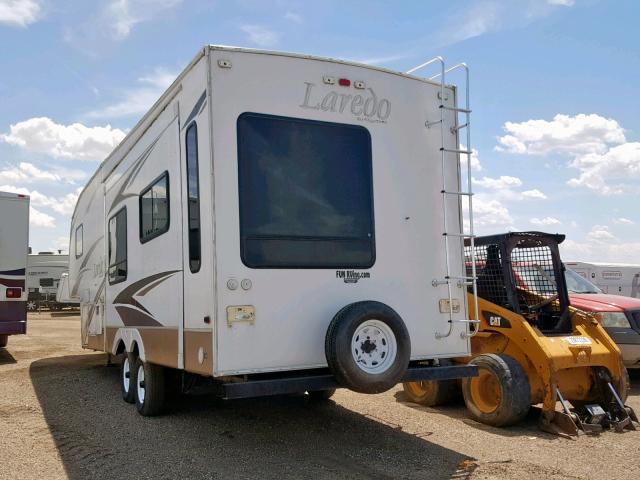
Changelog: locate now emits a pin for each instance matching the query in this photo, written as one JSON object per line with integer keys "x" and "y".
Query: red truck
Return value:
{"x": 620, "y": 316}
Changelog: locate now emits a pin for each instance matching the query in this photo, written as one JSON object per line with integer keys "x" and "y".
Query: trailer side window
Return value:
{"x": 306, "y": 194}
{"x": 154, "y": 209}
{"x": 118, "y": 247}
{"x": 79, "y": 234}
{"x": 46, "y": 282}
{"x": 193, "y": 196}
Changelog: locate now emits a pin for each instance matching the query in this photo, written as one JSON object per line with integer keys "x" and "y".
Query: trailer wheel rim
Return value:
{"x": 126, "y": 374}
{"x": 486, "y": 391}
{"x": 374, "y": 346}
{"x": 419, "y": 390}
{"x": 140, "y": 384}
{"x": 31, "y": 306}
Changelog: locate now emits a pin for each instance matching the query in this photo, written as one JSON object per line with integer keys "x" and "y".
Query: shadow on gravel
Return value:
{"x": 6, "y": 357}
{"x": 528, "y": 427}
{"x": 100, "y": 436}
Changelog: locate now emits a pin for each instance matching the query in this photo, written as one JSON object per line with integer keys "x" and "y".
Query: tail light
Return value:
{"x": 14, "y": 292}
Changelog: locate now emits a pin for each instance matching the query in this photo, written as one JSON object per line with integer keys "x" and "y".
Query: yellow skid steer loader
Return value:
{"x": 531, "y": 347}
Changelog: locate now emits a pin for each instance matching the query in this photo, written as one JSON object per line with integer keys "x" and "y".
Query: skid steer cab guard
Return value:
{"x": 531, "y": 347}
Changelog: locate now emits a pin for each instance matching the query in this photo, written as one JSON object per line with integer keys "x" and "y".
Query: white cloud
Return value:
{"x": 503, "y": 182}
{"x": 75, "y": 141}
{"x": 600, "y": 246}
{"x": 564, "y": 3}
{"x": 534, "y": 194}
{"x": 475, "y": 160}
{"x": 600, "y": 233}
{"x": 610, "y": 173}
{"x": 489, "y": 215}
{"x": 546, "y": 221}
{"x": 293, "y": 17}
{"x": 383, "y": 58}
{"x": 260, "y": 35}
{"x": 623, "y": 221}
{"x": 123, "y": 15}
{"x": 136, "y": 101}
{"x": 19, "y": 13}
{"x": 580, "y": 134}
{"x": 27, "y": 173}
{"x": 62, "y": 205}
{"x": 39, "y": 219}
{"x": 623, "y": 252}
{"x": 61, "y": 243}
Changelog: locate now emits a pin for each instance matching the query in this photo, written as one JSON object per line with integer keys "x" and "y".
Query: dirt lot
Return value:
{"x": 61, "y": 416}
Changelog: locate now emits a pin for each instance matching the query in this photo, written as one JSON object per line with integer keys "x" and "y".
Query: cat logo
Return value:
{"x": 495, "y": 320}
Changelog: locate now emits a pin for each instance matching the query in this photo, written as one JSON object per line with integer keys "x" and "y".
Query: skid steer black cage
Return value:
{"x": 522, "y": 271}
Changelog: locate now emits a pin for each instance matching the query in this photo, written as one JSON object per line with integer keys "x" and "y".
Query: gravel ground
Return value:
{"x": 61, "y": 416}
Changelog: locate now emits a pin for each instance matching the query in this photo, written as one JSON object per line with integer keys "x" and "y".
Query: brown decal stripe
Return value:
{"x": 136, "y": 318}
{"x": 197, "y": 109}
{"x": 194, "y": 340}
{"x": 83, "y": 269}
{"x": 160, "y": 344}
{"x": 132, "y": 311}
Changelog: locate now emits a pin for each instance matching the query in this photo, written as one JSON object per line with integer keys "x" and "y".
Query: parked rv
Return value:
{"x": 275, "y": 222}
{"x": 14, "y": 241}
{"x": 619, "y": 316}
{"x": 43, "y": 276}
{"x": 63, "y": 294}
{"x": 613, "y": 278}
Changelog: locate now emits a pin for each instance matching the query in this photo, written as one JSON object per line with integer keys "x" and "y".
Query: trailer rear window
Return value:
{"x": 306, "y": 194}
{"x": 118, "y": 247}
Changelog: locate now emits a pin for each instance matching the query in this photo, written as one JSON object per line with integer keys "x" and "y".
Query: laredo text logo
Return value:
{"x": 351, "y": 276}
{"x": 365, "y": 107}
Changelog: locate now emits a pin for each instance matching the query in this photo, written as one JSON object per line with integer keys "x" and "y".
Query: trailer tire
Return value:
{"x": 321, "y": 395}
{"x": 432, "y": 393}
{"x": 128, "y": 377}
{"x": 149, "y": 388}
{"x": 373, "y": 364}
{"x": 500, "y": 395}
{"x": 4, "y": 339}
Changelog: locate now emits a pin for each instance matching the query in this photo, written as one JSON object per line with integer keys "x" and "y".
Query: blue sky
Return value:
{"x": 554, "y": 94}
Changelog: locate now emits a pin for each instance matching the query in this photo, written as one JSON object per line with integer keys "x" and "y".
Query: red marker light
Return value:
{"x": 344, "y": 82}
{"x": 14, "y": 292}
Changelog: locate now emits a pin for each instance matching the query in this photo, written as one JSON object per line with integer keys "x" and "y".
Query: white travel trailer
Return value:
{"x": 14, "y": 245}
{"x": 44, "y": 270}
{"x": 613, "y": 278}
{"x": 277, "y": 222}
{"x": 63, "y": 294}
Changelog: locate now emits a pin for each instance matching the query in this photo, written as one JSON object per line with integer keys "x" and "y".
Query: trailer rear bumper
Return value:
{"x": 260, "y": 386}
{"x": 13, "y": 318}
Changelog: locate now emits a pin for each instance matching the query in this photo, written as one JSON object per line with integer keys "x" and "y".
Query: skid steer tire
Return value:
{"x": 4, "y": 339}
{"x": 367, "y": 347}
{"x": 432, "y": 393}
{"x": 500, "y": 395}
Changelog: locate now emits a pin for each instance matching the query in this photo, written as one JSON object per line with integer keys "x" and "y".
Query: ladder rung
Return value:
{"x": 467, "y": 321}
{"x": 431, "y": 124}
{"x": 456, "y": 150}
{"x": 453, "y": 277}
{"x": 469, "y": 194}
{"x": 461, "y": 235}
{"x": 456, "y": 109}
{"x": 454, "y": 129}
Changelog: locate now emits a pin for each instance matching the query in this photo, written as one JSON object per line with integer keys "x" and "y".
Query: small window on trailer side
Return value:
{"x": 46, "y": 282}
{"x": 118, "y": 247}
{"x": 79, "y": 234}
{"x": 154, "y": 209}
{"x": 193, "y": 197}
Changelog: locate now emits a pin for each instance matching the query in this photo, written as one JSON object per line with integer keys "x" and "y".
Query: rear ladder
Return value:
{"x": 447, "y": 155}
